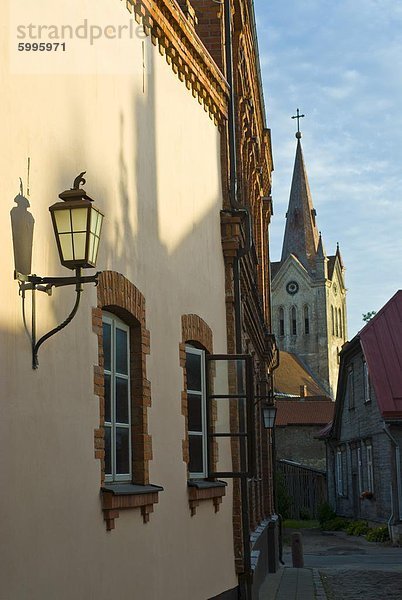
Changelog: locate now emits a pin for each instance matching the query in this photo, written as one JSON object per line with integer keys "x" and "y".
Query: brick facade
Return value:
{"x": 171, "y": 26}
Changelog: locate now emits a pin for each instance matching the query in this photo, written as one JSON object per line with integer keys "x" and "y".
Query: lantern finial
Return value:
{"x": 79, "y": 179}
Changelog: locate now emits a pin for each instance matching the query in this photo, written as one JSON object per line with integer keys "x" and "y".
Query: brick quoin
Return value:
{"x": 194, "y": 329}
{"x": 118, "y": 295}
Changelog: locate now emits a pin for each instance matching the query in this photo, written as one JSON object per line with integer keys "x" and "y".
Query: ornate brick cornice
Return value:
{"x": 175, "y": 35}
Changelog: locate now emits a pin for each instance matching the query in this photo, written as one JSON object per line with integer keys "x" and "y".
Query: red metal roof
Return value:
{"x": 304, "y": 412}
{"x": 381, "y": 340}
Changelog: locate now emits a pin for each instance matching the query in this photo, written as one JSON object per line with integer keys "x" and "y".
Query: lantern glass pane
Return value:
{"x": 79, "y": 245}
{"x": 91, "y": 247}
{"x": 79, "y": 217}
{"x": 95, "y": 251}
{"x": 63, "y": 222}
{"x": 66, "y": 246}
{"x": 94, "y": 220}
{"x": 99, "y": 224}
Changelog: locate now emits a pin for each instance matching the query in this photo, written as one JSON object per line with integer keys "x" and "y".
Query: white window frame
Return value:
{"x": 339, "y": 473}
{"x": 370, "y": 470}
{"x": 366, "y": 382}
{"x": 117, "y": 323}
{"x": 359, "y": 469}
{"x": 203, "y": 433}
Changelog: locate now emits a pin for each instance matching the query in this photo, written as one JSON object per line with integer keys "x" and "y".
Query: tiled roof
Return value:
{"x": 291, "y": 374}
{"x": 275, "y": 266}
{"x": 331, "y": 265}
{"x": 304, "y": 412}
{"x": 381, "y": 340}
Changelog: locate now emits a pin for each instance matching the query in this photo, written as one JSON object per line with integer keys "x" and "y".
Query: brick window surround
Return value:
{"x": 196, "y": 331}
{"x": 118, "y": 295}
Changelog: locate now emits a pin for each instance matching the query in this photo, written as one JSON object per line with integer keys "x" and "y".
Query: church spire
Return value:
{"x": 301, "y": 234}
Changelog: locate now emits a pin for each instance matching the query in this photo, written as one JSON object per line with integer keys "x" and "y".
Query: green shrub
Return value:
{"x": 284, "y": 501}
{"x": 357, "y": 528}
{"x": 336, "y": 524}
{"x": 304, "y": 514}
{"x": 325, "y": 513}
{"x": 378, "y": 534}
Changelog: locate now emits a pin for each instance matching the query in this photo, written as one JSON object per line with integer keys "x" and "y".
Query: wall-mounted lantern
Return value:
{"x": 269, "y": 415}
{"x": 77, "y": 226}
{"x": 266, "y": 399}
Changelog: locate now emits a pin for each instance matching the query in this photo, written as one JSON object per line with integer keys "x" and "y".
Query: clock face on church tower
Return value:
{"x": 292, "y": 287}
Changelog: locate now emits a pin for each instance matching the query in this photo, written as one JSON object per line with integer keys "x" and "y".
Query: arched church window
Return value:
{"x": 293, "y": 320}
{"x": 336, "y": 323}
{"x": 332, "y": 320}
{"x": 306, "y": 320}
{"x": 281, "y": 321}
{"x": 340, "y": 322}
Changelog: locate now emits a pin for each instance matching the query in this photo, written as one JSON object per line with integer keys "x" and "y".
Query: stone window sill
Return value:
{"x": 120, "y": 496}
{"x": 202, "y": 489}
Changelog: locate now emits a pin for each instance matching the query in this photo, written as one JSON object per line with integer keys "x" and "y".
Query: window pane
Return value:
{"x": 121, "y": 351}
{"x": 227, "y": 376}
{"x": 230, "y": 415}
{"x": 194, "y": 412}
{"x": 196, "y": 458}
{"x": 94, "y": 255}
{"x": 79, "y": 217}
{"x": 63, "y": 220}
{"x": 108, "y": 451}
{"x": 122, "y": 450}
{"x": 193, "y": 370}
{"x": 106, "y": 345}
{"x": 94, "y": 220}
{"x": 108, "y": 408}
{"x": 66, "y": 244}
{"x": 121, "y": 400}
{"x": 80, "y": 240}
{"x": 91, "y": 247}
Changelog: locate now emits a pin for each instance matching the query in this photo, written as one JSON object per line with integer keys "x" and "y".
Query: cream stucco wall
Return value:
{"x": 152, "y": 157}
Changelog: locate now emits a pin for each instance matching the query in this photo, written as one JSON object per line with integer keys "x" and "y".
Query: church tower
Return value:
{"x": 308, "y": 287}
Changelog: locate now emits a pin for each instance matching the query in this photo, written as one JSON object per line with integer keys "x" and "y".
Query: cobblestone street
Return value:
{"x": 351, "y": 584}
{"x": 350, "y": 567}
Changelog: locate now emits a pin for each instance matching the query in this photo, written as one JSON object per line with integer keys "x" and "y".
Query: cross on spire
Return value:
{"x": 298, "y": 116}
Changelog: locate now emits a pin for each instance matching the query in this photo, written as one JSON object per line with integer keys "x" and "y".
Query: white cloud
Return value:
{"x": 340, "y": 63}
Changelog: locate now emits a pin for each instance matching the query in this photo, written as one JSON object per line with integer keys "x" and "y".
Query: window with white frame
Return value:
{"x": 197, "y": 417}
{"x": 340, "y": 474}
{"x": 116, "y": 351}
{"x": 370, "y": 473}
{"x": 359, "y": 469}
{"x": 366, "y": 382}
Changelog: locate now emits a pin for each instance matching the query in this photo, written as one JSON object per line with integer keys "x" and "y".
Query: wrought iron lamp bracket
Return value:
{"x": 36, "y": 283}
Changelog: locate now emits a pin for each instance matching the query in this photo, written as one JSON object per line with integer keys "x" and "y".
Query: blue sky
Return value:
{"x": 341, "y": 64}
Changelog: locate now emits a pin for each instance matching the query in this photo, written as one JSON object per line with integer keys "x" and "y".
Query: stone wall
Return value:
{"x": 297, "y": 443}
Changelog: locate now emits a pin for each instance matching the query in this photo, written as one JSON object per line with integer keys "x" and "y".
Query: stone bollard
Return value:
{"x": 297, "y": 551}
